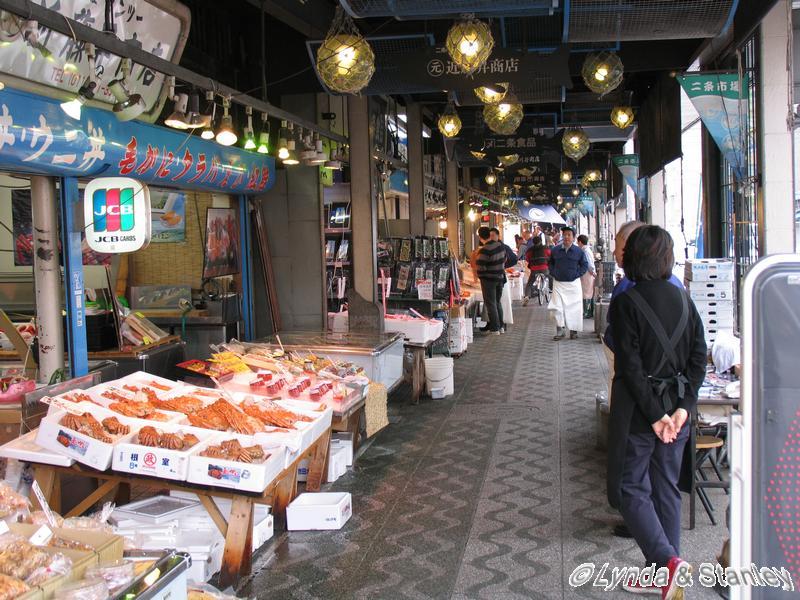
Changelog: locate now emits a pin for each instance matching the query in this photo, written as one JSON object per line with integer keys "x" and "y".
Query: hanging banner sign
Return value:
{"x": 543, "y": 213}
{"x": 628, "y": 165}
{"x": 524, "y": 139}
{"x": 36, "y": 136}
{"x": 116, "y": 215}
{"x": 433, "y": 67}
{"x": 60, "y": 62}
{"x": 721, "y": 101}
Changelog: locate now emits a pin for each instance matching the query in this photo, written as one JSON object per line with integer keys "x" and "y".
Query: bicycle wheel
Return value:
{"x": 546, "y": 290}
{"x": 540, "y": 289}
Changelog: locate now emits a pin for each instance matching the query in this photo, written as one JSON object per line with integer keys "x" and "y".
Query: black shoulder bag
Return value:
{"x": 662, "y": 385}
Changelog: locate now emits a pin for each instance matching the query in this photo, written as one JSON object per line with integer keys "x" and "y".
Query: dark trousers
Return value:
{"x": 492, "y": 290}
{"x": 651, "y": 500}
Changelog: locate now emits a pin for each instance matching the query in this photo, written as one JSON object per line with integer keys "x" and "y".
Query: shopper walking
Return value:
{"x": 587, "y": 279}
{"x": 657, "y": 378}
{"x": 537, "y": 258}
{"x": 567, "y": 263}
{"x": 491, "y": 272}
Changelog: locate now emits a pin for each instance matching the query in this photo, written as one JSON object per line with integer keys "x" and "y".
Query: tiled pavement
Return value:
{"x": 497, "y": 492}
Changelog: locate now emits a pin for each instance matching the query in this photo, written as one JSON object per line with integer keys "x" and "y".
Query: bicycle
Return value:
{"x": 542, "y": 288}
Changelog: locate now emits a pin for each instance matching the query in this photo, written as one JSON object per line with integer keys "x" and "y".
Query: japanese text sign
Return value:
{"x": 37, "y": 136}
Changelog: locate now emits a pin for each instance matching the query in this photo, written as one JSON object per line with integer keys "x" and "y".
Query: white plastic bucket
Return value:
{"x": 439, "y": 374}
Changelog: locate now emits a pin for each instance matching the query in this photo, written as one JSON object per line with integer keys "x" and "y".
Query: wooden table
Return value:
{"x": 418, "y": 354}
{"x": 237, "y": 529}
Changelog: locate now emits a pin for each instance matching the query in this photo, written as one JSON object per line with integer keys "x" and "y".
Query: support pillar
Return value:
{"x": 47, "y": 277}
{"x": 362, "y": 198}
{"x": 775, "y": 210}
{"x": 73, "y": 277}
{"x": 416, "y": 172}
{"x": 451, "y": 180}
{"x": 469, "y": 226}
{"x": 246, "y": 252}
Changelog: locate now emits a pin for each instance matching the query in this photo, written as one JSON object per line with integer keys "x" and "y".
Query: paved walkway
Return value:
{"x": 495, "y": 493}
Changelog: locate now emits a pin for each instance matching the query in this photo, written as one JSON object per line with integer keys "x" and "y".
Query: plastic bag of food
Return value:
{"x": 117, "y": 574}
{"x": 12, "y": 503}
{"x": 20, "y": 559}
{"x": 95, "y": 522}
{"x": 58, "y": 565}
{"x": 39, "y": 517}
{"x": 86, "y": 589}
{"x": 204, "y": 591}
{"x": 11, "y": 587}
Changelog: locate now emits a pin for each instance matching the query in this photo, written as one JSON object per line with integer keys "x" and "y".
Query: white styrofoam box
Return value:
{"x": 155, "y": 510}
{"x": 701, "y": 269}
{"x": 337, "y": 464}
{"x": 469, "y": 331}
{"x": 250, "y": 477}
{"x": 97, "y": 391}
{"x": 26, "y": 449}
{"x": 344, "y": 439}
{"x": 339, "y": 322}
{"x": 417, "y": 331}
{"x": 711, "y": 290}
{"x": 516, "y": 288}
{"x": 78, "y": 446}
{"x": 133, "y": 457}
{"x": 141, "y": 378}
{"x": 321, "y": 413}
{"x": 319, "y": 511}
{"x": 302, "y": 470}
{"x": 710, "y": 306}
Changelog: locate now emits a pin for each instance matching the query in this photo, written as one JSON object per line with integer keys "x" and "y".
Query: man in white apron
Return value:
{"x": 567, "y": 264}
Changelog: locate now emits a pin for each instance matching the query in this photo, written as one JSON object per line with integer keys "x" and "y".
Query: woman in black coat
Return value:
{"x": 655, "y": 387}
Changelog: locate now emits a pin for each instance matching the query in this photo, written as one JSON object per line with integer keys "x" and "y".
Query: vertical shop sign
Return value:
{"x": 628, "y": 165}
{"x": 116, "y": 214}
{"x": 721, "y": 101}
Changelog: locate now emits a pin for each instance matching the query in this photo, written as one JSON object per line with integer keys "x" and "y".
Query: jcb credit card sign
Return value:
{"x": 116, "y": 212}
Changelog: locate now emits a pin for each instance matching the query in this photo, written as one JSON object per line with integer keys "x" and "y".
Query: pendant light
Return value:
{"x": 208, "y": 130}
{"x": 602, "y": 72}
{"x": 334, "y": 163}
{"x": 469, "y": 43}
{"x": 128, "y": 105}
{"x": 263, "y": 137}
{"x": 575, "y": 192}
{"x": 226, "y": 136}
{"x": 449, "y": 122}
{"x": 504, "y": 117}
{"x": 177, "y": 119}
{"x": 575, "y": 143}
{"x": 291, "y": 154}
{"x": 345, "y": 61}
{"x": 249, "y": 134}
{"x": 491, "y": 94}
{"x": 490, "y": 178}
{"x": 478, "y": 155}
{"x": 565, "y": 176}
{"x": 593, "y": 175}
{"x": 508, "y": 159}
{"x": 622, "y": 116}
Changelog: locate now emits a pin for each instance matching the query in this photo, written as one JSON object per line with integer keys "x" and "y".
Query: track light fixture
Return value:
{"x": 128, "y": 106}
{"x": 291, "y": 154}
{"x": 226, "y": 136}
{"x": 86, "y": 91}
{"x": 263, "y": 137}
{"x": 249, "y": 134}
{"x": 283, "y": 146}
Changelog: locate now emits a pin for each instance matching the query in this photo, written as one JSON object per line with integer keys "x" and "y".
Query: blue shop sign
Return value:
{"x": 36, "y": 136}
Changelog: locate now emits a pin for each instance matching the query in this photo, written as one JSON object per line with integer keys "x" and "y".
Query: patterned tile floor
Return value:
{"x": 497, "y": 492}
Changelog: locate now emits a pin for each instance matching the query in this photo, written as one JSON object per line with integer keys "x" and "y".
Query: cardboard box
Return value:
{"x": 458, "y": 312}
{"x": 319, "y": 511}
{"x": 718, "y": 322}
{"x": 702, "y": 269}
{"x": 250, "y": 477}
{"x": 709, "y": 290}
{"x": 132, "y": 457}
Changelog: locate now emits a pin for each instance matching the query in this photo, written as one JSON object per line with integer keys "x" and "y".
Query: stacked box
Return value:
{"x": 457, "y": 335}
{"x": 710, "y": 285}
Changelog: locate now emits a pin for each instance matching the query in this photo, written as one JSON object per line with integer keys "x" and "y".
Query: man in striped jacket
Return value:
{"x": 491, "y": 263}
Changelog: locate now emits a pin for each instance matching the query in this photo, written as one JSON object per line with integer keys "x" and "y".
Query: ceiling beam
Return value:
{"x": 111, "y": 43}
{"x": 323, "y": 12}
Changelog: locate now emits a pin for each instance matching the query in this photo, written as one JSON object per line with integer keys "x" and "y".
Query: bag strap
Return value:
{"x": 668, "y": 344}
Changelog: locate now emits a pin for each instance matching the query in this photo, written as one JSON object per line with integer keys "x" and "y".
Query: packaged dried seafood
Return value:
{"x": 11, "y": 502}
{"x": 86, "y": 589}
{"x": 11, "y": 587}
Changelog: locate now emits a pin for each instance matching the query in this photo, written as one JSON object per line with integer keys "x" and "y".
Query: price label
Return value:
{"x": 4, "y": 527}
{"x": 41, "y": 536}
{"x": 48, "y": 512}
{"x": 425, "y": 289}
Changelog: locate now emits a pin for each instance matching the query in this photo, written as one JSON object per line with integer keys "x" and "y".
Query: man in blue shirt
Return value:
{"x": 567, "y": 264}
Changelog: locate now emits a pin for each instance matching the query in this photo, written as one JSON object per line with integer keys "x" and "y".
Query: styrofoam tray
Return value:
{"x": 140, "y": 378}
{"x": 319, "y": 511}
{"x": 26, "y": 449}
{"x": 96, "y": 394}
{"x": 157, "y": 509}
{"x": 251, "y": 477}
{"x": 132, "y": 457}
{"x": 81, "y": 447}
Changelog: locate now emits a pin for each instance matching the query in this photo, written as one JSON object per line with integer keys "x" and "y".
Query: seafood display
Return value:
{"x": 88, "y": 425}
{"x": 185, "y": 404}
{"x": 271, "y": 414}
{"x": 20, "y": 558}
{"x": 150, "y": 436}
{"x": 11, "y": 587}
{"x": 78, "y": 397}
{"x": 224, "y": 416}
{"x": 114, "y": 427}
{"x": 233, "y": 450}
{"x": 139, "y": 410}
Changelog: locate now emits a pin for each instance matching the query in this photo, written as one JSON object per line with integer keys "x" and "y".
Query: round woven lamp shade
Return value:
{"x": 449, "y": 122}
{"x": 491, "y": 94}
{"x": 345, "y": 60}
{"x": 504, "y": 117}
{"x": 469, "y": 43}
{"x": 508, "y": 159}
{"x": 622, "y": 116}
{"x": 602, "y": 72}
{"x": 575, "y": 143}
